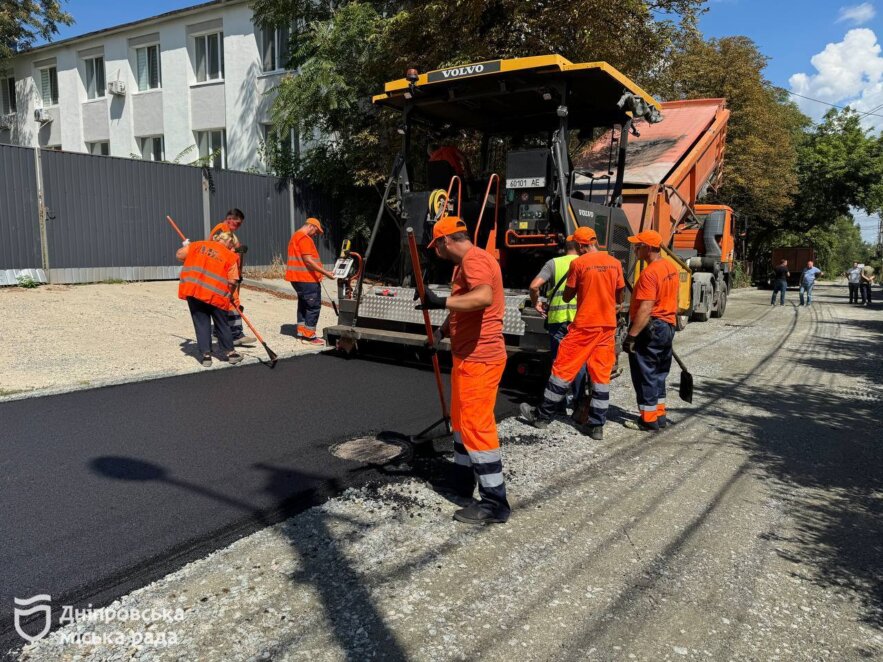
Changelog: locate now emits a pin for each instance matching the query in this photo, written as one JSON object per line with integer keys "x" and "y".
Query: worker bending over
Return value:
{"x": 231, "y": 223}
{"x": 475, "y": 327}
{"x": 559, "y": 313}
{"x": 652, "y": 311}
{"x": 208, "y": 280}
{"x": 596, "y": 280}
{"x": 305, "y": 272}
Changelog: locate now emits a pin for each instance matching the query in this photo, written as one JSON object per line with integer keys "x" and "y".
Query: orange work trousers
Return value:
{"x": 474, "y": 387}
{"x": 593, "y": 347}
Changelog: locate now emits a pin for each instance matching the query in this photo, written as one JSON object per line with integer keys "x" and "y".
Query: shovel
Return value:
{"x": 686, "y": 389}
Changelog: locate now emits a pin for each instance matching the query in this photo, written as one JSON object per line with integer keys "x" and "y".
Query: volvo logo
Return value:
{"x": 585, "y": 212}
{"x": 464, "y": 71}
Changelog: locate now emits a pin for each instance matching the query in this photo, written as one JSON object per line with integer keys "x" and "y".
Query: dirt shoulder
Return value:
{"x": 64, "y": 337}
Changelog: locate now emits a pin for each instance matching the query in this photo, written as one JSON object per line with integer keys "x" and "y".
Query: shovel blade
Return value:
{"x": 686, "y": 389}
{"x": 272, "y": 355}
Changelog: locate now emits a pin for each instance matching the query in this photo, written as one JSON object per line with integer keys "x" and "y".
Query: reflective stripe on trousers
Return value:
{"x": 649, "y": 365}
{"x": 473, "y": 396}
{"x": 594, "y": 348}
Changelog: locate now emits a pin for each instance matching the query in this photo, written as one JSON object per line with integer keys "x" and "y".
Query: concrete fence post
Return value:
{"x": 291, "y": 200}
{"x": 206, "y": 206}
{"x": 41, "y": 214}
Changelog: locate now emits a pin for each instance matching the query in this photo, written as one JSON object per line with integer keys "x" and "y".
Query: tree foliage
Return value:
{"x": 840, "y": 166}
{"x": 22, "y": 22}
{"x": 344, "y": 52}
{"x": 760, "y": 169}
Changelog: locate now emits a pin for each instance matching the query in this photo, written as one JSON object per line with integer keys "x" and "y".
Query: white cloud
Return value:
{"x": 857, "y": 14}
{"x": 848, "y": 73}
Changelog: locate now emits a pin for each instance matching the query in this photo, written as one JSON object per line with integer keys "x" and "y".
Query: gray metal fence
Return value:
{"x": 20, "y": 245}
{"x": 79, "y": 218}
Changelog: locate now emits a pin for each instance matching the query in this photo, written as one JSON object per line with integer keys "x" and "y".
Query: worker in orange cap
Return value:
{"x": 208, "y": 280}
{"x": 596, "y": 280}
{"x": 231, "y": 223}
{"x": 304, "y": 271}
{"x": 475, "y": 327}
{"x": 652, "y": 310}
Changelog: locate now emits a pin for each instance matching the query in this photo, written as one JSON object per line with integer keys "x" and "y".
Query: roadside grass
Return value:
{"x": 13, "y": 391}
{"x": 276, "y": 269}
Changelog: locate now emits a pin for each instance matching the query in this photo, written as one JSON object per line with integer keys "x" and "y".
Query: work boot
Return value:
{"x": 234, "y": 357}
{"x": 530, "y": 416}
{"x": 206, "y": 360}
{"x": 640, "y": 425}
{"x": 244, "y": 340}
{"x": 596, "y": 432}
{"x": 479, "y": 513}
{"x": 314, "y": 341}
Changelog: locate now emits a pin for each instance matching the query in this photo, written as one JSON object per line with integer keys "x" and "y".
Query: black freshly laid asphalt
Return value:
{"x": 105, "y": 490}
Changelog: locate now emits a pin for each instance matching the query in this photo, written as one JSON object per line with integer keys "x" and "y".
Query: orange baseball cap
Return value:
{"x": 315, "y": 223}
{"x": 584, "y": 236}
{"x": 444, "y": 227}
{"x": 648, "y": 237}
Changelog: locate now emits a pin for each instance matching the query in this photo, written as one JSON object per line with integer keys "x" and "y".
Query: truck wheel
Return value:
{"x": 721, "y": 305}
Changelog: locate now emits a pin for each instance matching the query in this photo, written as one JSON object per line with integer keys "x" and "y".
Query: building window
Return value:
{"x": 209, "y": 57}
{"x": 213, "y": 143}
{"x": 153, "y": 148}
{"x": 288, "y": 147}
{"x": 147, "y": 66}
{"x": 49, "y": 86}
{"x": 274, "y": 43}
{"x": 99, "y": 149}
{"x": 94, "y": 81}
{"x": 7, "y": 96}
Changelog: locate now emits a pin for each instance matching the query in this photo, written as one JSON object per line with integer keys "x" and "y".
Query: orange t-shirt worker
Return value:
{"x": 596, "y": 280}
{"x": 475, "y": 326}
{"x": 652, "y": 312}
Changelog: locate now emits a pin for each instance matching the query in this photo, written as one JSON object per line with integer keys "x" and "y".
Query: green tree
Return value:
{"x": 840, "y": 165}
{"x": 345, "y": 51}
{"x": 759, "y": 178}
{"x": 22, "y": 22}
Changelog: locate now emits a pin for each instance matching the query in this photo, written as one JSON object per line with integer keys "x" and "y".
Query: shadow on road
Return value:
{"x": 349, "y": 609}
{"x": 827, "y": 445}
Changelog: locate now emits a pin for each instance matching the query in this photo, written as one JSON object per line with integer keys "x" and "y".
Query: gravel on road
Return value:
{"x": 749, "y": 530}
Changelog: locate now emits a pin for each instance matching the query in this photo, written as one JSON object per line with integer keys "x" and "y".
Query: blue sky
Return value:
{"x": 824, "y": 50}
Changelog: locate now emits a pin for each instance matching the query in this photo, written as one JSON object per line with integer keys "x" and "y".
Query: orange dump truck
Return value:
{"x": 669, "y": 167}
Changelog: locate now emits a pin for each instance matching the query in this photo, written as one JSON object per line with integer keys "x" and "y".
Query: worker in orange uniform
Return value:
{"x": 231, "y": 223}
{"x": 596, "y": 280}
{"x": 475, "y": 326}
{"x": 454, "y": 157}
{"x": 652, "y": 310}
{"x": 207, "y": 282}
{"x": 305, "y": 272}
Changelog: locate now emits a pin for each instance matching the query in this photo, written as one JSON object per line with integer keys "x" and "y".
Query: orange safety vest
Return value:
{"x": 297, "y": 270}
{"x": 204, "y": 274}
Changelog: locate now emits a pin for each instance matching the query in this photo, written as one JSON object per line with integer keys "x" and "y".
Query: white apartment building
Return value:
{"x": 194, "y": 81}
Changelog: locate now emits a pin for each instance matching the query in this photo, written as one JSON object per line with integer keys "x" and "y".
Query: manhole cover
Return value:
{"x": 369, "y": 450}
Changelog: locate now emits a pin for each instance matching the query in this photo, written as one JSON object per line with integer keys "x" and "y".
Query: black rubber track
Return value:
{"x": 105, "y": 490}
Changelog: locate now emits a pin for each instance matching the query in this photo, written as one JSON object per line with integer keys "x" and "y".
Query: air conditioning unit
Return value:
{"x": 42, "y": 115}
{"x": 117, "y": 88}
{"x": 6, "y": 122}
